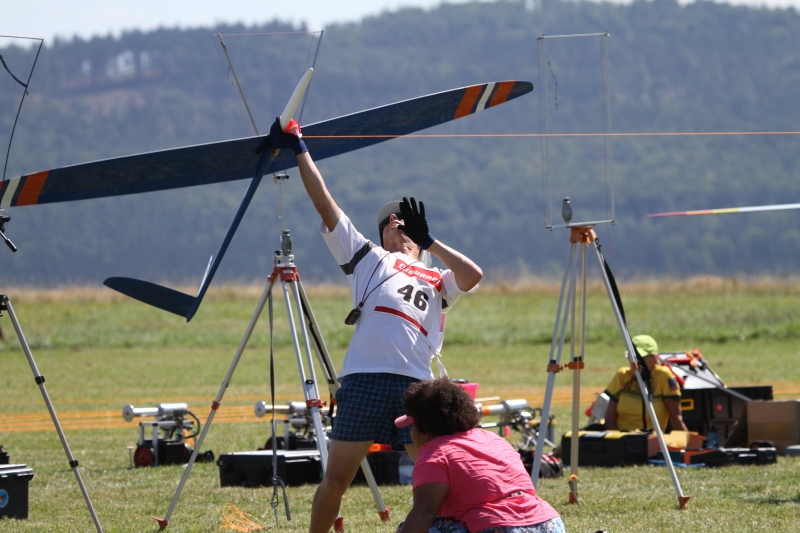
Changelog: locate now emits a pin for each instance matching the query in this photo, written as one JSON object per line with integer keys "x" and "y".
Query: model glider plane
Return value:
{"x": 727, "y": 210}
{"x": 237, "y": 159}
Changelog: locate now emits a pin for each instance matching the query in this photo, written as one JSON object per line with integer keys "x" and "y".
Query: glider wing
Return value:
{"x": 728, "y": 210}
{"x": 237, "y": 159}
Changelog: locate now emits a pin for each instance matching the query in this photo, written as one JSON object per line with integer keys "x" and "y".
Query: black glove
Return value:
{"x": 282, "y": 139}
{"x": 414, "y": 223}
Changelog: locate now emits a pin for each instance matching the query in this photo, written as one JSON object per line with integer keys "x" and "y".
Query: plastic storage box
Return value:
{"x": 14, "y": 490}
{"x": 253, "y": 469}
{"x": 606, "y": 448}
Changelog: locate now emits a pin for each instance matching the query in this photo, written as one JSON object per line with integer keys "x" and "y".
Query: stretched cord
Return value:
{"x": 19, "y": 109}
{"x": 276, "y": 480}
{"x": 644, "y": 370}
{"x": 12, "y": 74}
{"x": 196, "y": 424}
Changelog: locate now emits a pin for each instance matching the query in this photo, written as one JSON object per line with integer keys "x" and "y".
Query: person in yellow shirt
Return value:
{"x": 626, "y": 409}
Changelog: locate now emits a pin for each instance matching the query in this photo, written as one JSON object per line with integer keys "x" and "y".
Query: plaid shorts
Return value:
{"x": 367, "y": 405}
{"x": 443, "y": 524}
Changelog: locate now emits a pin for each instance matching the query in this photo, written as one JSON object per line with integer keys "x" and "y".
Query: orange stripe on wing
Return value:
{"x": 468, "y": 101}
{"x": 29, "y": 195}
{"x": 501, "y": 93}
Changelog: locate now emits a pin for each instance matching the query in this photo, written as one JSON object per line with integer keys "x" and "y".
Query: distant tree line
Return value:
{"x": 701, "y": 67}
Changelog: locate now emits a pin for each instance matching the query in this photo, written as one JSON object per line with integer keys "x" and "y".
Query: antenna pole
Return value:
{"x": 238, "y": 85}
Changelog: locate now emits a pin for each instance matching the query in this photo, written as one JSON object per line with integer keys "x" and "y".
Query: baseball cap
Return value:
{"x": 645, "y": 345}
{"x": 389, "y": 208}
{"x": 403, "y": 421}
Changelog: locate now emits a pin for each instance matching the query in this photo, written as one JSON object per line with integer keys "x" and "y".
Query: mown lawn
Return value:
{"x": 100, "y": 352}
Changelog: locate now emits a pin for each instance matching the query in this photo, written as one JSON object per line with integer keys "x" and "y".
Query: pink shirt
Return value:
{"x": 482, "y": 469}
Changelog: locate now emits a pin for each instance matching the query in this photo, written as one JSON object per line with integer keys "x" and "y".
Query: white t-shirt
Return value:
{"x": 401, "y": 320}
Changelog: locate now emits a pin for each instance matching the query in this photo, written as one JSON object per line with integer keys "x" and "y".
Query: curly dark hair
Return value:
{"x": 440, "y": 407}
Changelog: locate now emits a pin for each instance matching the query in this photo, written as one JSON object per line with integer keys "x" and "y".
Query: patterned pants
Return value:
{"x": 451, "y": 525}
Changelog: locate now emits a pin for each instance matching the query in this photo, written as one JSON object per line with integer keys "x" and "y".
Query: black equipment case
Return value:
{"x": 606, "y": 448}
{"x": 14, "y": 490}
{"x": 736, "y": 456}
{"x": 704, "y": 402}
{"x": 703, "y": 407}
{"x": 253, "y": 469}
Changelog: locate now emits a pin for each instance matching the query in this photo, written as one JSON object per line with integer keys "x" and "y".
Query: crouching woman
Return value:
{"x": 466, "y": 479}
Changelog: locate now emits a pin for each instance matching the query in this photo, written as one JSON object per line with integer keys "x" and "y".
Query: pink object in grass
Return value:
{"x": 471, "y": 388}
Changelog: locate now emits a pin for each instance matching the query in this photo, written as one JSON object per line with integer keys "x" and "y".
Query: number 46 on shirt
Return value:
{"x": 420, "y": 298}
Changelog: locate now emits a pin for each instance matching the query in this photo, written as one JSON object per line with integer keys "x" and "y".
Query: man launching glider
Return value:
{"x": 397, "y": 305}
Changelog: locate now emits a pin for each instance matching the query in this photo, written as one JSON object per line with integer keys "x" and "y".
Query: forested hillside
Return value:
{"x": 702, "y": 67}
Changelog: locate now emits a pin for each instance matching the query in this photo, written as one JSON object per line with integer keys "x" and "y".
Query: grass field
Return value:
{"x": 99, "y": 352}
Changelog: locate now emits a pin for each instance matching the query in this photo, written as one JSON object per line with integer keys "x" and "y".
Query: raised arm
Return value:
{"x": 467, "y": 273}
{"x": 312, "y": 179}
{"x": 315, "y": 187}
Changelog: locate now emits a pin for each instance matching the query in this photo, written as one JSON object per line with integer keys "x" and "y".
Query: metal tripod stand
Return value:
{"x": 586, "y": 238}
{"x": 5, "y": 305}
{"x": 286, "y": 272}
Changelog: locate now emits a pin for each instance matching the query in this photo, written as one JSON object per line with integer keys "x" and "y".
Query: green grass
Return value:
{"x": 99, "y": 353}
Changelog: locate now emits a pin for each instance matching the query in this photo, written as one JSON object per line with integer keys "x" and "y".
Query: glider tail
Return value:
{"x": 183, "y": 304}
{"x": 152, "y": 294}
{"x": 175, "y": 301}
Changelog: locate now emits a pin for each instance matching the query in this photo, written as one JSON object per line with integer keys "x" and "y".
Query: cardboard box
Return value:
{"x": 684, "y": 440}
{"x": 777, "y": 422}
{"x": 676, "y": 441}
{"x": 703, "y": 407}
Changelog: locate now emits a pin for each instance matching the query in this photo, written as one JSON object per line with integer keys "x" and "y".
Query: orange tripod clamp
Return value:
{"x": 582, "y": 234}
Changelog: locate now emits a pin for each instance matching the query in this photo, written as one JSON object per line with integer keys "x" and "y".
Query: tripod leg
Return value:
{"x": 40, "y": 381}
{"x": 164, "y": 522}
{"x": 553, "y": 366}
{"x": 333, "y": 385}
{"x": 313, "y": 401}
{"x": 576, "y": 364}
{"x": 323, "y": 356}
{"x": 623, "y": 328}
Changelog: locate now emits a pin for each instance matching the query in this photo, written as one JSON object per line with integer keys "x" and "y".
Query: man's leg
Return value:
{"x": 344, "y": 459}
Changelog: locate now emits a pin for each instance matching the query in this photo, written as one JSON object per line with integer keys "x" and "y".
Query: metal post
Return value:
{"x": 682, "y": 500}
{"x": 313, "y": 401}
{"x": 5, "y": 305}
{"x": 576, "y": 364}
{"x": 238, "y": 85}
{"x": 553, "y": 366}
{"x": 164, "y": 522}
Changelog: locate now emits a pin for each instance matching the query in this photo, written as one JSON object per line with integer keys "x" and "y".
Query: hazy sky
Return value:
{"x": 47, "y": 18}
